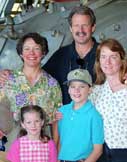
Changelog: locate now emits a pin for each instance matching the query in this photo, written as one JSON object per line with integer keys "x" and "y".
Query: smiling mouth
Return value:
{"x": 33, "y": 130}
{"x": 31, "y": 58}
{"x": 77, "y": 96}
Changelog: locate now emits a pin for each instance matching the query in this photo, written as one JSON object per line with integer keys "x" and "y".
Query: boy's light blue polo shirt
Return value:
{"x": 79, "y": 130}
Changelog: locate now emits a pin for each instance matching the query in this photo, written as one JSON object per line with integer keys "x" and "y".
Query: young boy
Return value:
{"x": 81, "y": 127}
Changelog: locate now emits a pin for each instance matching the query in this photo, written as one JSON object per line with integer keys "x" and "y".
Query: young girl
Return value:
{"x": 32, "y": 145}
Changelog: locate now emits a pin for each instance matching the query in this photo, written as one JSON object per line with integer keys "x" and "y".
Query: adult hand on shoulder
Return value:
{"x": 4, "y": 74}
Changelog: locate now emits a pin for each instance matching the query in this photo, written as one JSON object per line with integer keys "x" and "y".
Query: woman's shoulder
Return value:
{"x": 96, "y": 88}
{"x": 16, "y": 72}
{"x": 52, "y": 82}
{"x": 13, "y": 76}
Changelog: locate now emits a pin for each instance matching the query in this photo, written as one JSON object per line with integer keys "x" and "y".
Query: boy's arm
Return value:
{"x": 96, "y": 153}
{"x": 55, "y": 133}
{"x": 58, "y": 116}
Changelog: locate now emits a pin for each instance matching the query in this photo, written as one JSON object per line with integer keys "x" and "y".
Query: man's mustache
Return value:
{"x": 78, "y": 33}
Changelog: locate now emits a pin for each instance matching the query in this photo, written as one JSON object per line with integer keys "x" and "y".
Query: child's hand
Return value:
{"x": 58, "y": 115}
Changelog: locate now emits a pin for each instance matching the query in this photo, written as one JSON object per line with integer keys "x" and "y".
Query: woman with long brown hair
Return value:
{"x": 110, "y": 98}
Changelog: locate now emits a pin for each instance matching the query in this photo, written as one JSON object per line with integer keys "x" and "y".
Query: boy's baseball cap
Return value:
{"x": 81, "y": 75}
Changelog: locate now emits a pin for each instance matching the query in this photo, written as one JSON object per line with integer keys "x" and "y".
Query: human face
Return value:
{"x": 81, "y": 28}
{"x": 110, "y": 62}
{"x": 32, "y": 53}
{"x": 32, "y": 124}
{"x": 78, "y": 92}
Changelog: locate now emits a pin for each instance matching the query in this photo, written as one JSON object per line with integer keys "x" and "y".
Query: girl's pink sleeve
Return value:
{"x": 13, "y": 152}
{"x": 52, "y": 151}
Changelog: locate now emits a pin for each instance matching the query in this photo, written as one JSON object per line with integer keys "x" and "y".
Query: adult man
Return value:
{"x": 79, "y": 54}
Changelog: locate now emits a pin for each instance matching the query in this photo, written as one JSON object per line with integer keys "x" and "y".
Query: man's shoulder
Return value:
{"x": 59, "y": 54}
{"x": 64, "y": 49}
{"x": 51, "y": 80}
{"x": 95, "y": 41}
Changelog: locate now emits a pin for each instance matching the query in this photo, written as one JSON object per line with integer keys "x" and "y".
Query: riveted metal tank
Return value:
{"x": 52, "y": 23}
